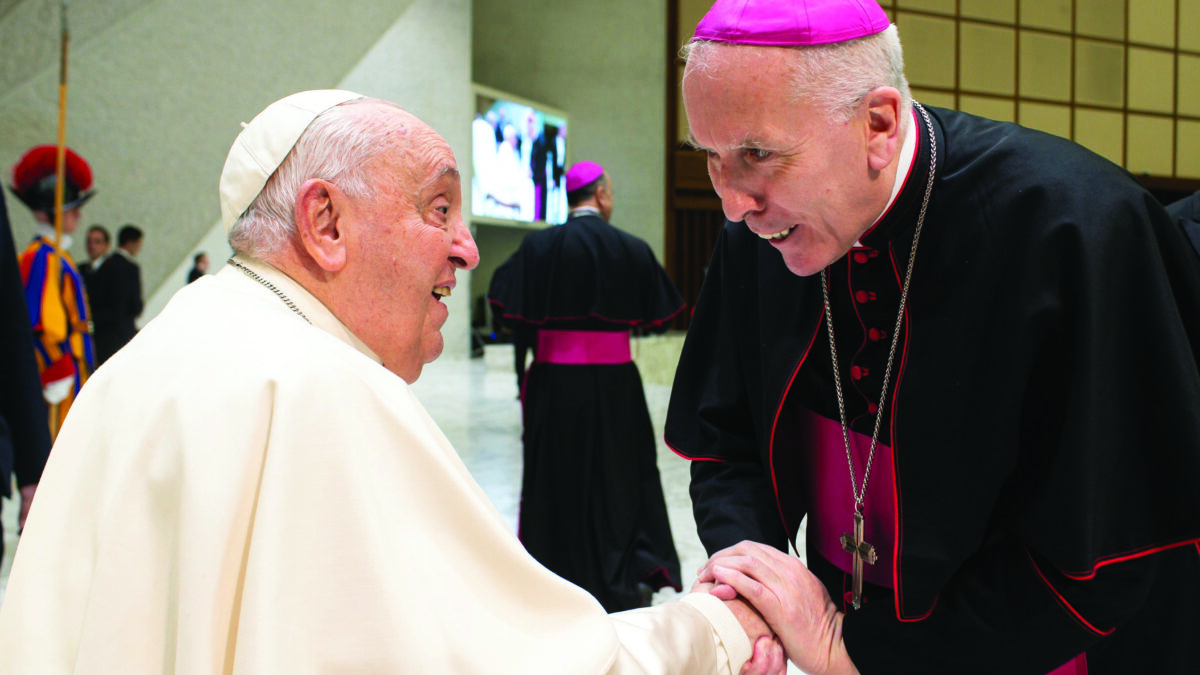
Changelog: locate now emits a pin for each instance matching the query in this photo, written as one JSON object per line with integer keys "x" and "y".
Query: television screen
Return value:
{"x": 518, "y": 160}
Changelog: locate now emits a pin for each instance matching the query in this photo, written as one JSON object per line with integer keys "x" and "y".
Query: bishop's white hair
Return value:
{"x": 834, "y": 77}
{"x": 335, "y": 147}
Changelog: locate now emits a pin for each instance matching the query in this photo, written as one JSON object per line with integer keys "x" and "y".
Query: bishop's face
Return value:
{"x": 409, "y": 243}
{"x": 794, "y": 176}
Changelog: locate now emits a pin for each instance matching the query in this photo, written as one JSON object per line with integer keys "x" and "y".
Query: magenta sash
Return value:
{"x": 580, "y": 347}
{"x": 830, "y": 504}
{"x": 1076, "y": 666}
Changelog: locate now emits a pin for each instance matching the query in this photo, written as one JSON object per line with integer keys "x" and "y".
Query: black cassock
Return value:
{"x": 1039, "y": 458}
{"x": 1186, "y": 213}
{"x": 592, "y": 507}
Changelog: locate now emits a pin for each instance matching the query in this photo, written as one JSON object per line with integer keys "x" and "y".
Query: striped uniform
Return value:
{"x": 61, "y": 320}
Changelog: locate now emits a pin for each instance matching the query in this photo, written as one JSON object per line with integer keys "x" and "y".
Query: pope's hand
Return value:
{"x": 768, "y": 657}
{"x": 792, "y": 600}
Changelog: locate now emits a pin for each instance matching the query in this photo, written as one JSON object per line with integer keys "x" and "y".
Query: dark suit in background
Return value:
{"x": 116, "y": 299}
{"x": 24, "y": 434}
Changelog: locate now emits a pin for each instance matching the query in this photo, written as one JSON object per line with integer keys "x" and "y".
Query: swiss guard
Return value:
{"x": 54, "y": 291}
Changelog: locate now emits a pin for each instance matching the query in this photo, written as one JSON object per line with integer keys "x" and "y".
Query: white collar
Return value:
{"x": 314, "y": 310}
{"x": 46, "y": 231}
{"x": 904, "y": 165}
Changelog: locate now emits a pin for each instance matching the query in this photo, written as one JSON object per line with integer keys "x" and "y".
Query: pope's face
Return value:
{"x": 793, "y": 175}
{"x": 411, "y": 239}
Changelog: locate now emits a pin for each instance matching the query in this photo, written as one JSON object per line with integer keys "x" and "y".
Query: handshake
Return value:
{"x": 784, "y": 609}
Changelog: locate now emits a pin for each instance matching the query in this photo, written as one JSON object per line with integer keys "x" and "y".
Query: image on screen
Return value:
{"x": 518, "y": 161}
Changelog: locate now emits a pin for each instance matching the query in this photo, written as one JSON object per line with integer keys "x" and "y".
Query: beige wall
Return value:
{"x": 158, "y": 87}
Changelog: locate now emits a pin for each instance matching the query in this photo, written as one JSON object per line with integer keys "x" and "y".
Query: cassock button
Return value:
{"x": 872, "y": 408}
{"x": 864, "y": 297}
{"x": 861, "y": 257}
{"x": 875, "y": 334}
{"x": 856, "y": 372}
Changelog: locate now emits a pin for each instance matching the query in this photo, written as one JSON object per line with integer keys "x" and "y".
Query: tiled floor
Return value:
{"x": 487, "y": 433}
{"x": 474, "y": 401}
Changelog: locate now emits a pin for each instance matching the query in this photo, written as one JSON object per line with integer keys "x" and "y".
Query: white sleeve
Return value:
{"x": 663, "y": 639}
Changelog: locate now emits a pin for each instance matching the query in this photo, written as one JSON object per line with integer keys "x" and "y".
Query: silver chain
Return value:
{"x": 271, "y": 287}
{"x": 860, "y": 495}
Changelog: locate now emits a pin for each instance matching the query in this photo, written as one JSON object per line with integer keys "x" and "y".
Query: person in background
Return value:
{"x": 199, "y": 267}
{"x": 117, "y": 294}
{"x": 98, "y": 245}
{"x": 251, "y": 485}
{"x": 592, "y": 507}
{"x": 964, "y": 351}
{"x": 54, "y": 290}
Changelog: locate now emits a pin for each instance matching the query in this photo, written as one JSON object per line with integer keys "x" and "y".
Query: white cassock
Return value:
{"x": 238, "y": 491}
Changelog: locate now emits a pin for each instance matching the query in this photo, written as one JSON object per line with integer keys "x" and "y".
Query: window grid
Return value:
{"x": 899, "y": 10}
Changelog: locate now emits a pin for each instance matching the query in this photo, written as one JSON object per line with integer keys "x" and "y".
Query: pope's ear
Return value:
{"x": 883, "y": 126}
{"x": 318, "y": 212}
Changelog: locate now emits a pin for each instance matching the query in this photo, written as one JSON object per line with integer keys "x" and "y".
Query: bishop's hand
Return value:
{"x": 791, "y": 599}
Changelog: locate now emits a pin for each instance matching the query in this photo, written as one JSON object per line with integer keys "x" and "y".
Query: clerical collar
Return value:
{"x": 46, "y": 231}
{"x": 584, "y": 211}
{"x": 904, "y": 164}
{"x": 308, "y": 305}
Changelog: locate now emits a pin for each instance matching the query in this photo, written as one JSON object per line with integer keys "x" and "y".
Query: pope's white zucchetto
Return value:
{"x": 265, "y": 142}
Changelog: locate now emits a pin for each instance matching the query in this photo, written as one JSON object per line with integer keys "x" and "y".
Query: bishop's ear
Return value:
{"x": 319, "y": 207}
{"x": 883, "y": 126}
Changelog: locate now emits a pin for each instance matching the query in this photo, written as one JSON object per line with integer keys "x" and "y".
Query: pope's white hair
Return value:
{"x": 335, "y": 147}
{"x": 834, "y": 77}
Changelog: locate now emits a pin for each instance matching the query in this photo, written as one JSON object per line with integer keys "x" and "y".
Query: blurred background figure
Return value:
{"x": 98, "y": 244}
{"x": 54, "y": 290}
{"x": 199, "y": 267}
{"x": 24, "y": 436}
{"x": 592, "y": 507}
{"x": 116, "y": 294}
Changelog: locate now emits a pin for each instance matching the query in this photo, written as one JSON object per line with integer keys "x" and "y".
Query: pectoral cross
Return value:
{"x": 862, "y": 552}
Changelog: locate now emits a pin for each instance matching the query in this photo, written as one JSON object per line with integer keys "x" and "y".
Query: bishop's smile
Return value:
{"x": 778, "y": 236}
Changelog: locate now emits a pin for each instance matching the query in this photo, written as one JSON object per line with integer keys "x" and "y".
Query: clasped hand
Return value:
{"x": 793, "y": 602}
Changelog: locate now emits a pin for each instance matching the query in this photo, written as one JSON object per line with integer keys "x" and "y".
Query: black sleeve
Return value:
{"x": 1007, "y": 611}
{"x": 21, "y": 402}
{"x": 134, "y": 300}
{"x": 710, "y": 420}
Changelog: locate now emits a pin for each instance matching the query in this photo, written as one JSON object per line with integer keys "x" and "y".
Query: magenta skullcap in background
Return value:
{"x": 787, "y": 23}
{"x": 583, "y": 173}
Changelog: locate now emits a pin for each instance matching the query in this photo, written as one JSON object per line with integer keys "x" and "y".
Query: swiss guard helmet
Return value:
{"x": 33, "y": 179}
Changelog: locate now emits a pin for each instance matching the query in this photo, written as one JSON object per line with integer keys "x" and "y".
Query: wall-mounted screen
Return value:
{"x": 518, "y": 160}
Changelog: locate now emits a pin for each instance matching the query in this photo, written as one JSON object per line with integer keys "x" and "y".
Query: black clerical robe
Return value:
{"x": 592, "y": 506}
{"x": 1186, "y": 213}
{"x": 1041, "y": 430}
